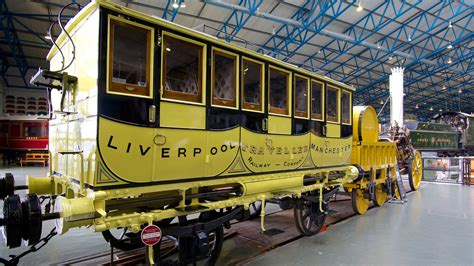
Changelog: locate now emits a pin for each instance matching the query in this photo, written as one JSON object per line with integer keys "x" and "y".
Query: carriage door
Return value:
{"x": 254, "y": 120}
{"x": 127, "y": 101}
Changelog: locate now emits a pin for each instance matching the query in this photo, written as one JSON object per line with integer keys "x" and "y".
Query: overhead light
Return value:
{"x": 460, "y": 91}
{"x": 182, "y": 5}
{"x": 378, "y": 45}
{"x": 273, "y": 30}
{"x": 424, "y": 103}
{"x": 359, "y": 7}
{"x": 431, "y": 108}
{"x": 319, "y": 51}
{"x": 416, "y": 106}
{"x": 440, "y": 110}
{"x": 450, "y": 25}
{"x": 390, "y": 57}
{"x": 443, "y": 88}
{"x": 450, "y": 46}
{"x": 381, "y": 101}
{"x": 449, "y": 61}
{"x": 175, "y": 4}
{"x": 409, "y": 38}
{"x": 168, "y": 49}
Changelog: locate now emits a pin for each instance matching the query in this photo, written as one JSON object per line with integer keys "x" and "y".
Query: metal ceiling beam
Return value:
{"x": 236, "y": 21}
{"x": 9, "y": 33}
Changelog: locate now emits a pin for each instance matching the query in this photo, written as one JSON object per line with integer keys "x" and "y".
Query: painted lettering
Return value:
{"x": 110, "y": 143}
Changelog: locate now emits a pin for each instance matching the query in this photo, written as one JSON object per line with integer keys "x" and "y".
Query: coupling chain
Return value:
{"x": 14, "y": 259}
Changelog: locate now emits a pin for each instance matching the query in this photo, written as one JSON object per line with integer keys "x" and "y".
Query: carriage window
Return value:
{"x": 301, "y": 96}
{"x": 252, "y": 83}
{"x": 332, "y": 105}
{"x": 317, "y": 100}
{"x": 279, "y": 91}
{"x": 346, "y": 107}
{"x": 130, "y": 58}
{"x": 182, "y": 69}
{"x": 224, "y": 74}
{"x": 32, "y": 131}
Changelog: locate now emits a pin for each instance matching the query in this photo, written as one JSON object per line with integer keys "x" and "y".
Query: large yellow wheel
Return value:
{"x": 415, "y": 171}
{"x": 380, "y": 195}
{"x": 359, "y": 203}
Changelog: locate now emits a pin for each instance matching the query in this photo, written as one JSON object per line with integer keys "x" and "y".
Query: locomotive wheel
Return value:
{"x": 415, "y": 171}
{"x": 309, "y": 219}
{"x": 380, "y": 196}
{"x": 359, "y": 203}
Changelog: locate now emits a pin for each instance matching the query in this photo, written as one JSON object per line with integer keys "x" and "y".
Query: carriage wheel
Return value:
{"x": 121, "y": 239}
{"x": 215, "y": 238}
{"x": 415, "y": 171}
{"x": 255, "y": 209}
{"x": 380, "y": 195}
{"x": 309, "y": 219}
{"x": 359, "y": 203}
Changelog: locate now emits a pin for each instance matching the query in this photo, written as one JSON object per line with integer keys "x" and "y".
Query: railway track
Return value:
{"x": 246, "y": 235}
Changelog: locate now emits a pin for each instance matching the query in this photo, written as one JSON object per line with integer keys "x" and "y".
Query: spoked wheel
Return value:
{"x": 255, "y": 209}
{"x": 380, "y": 195}
{"x": 123, "y": 239}
{"x": 309, "y": 219}
{"x": 359, "y": 203}
{"x": 415, "y": 171}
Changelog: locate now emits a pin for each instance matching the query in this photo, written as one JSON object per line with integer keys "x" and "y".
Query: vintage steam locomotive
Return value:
{"x": 449, "y": 134}
{"x": 153, "y": 121}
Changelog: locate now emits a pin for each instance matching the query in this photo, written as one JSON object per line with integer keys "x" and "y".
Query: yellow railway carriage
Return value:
{"x": 152, "y": 121}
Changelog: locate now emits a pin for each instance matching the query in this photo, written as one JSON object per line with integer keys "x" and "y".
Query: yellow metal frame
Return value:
{"x": 151, "y": 53}
{"x": 323, "y": 94}
{"x": 204, "y": 69}
{"x": 308, "y": 94}
{"x": 338, "y": 107}
{"x": 288, "y": 90}
{"x": 262, "y": 87}
{"x": 237, "y": 83}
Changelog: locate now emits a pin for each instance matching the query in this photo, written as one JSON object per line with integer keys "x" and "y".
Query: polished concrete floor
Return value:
{"x": 435, "y": 227}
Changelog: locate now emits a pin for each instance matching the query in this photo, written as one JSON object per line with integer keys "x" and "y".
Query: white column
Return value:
{"x": 396, "y": 96}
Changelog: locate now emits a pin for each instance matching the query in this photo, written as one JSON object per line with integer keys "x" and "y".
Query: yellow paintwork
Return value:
{"x": 369, "y": 126}
{"x": 39, "y": 185}
{"x": 279, "y": 124}
{"x": 182, "y": 115}
{"x": 333, "y": 130}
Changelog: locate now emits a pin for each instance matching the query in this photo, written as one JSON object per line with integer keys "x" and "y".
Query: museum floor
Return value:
{"x": 435, "y": 227}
